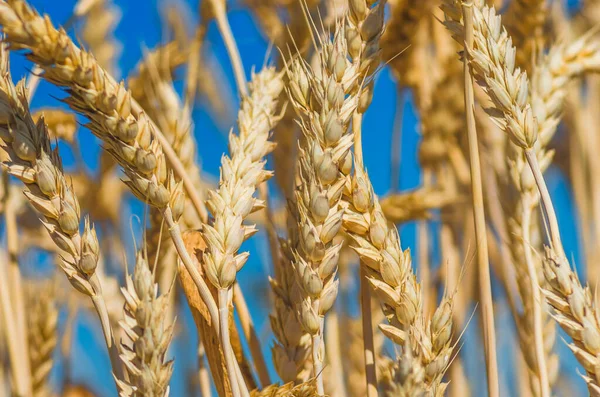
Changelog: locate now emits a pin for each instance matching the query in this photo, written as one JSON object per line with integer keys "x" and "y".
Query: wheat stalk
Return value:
{"x": 483, "y": 262}
{"x": 12, "y": 338}
{"x": 364, "y": 29}
{"x": 218, "y": 8}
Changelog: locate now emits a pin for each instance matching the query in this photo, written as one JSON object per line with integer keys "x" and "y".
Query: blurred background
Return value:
{"x": 140, "y": 25}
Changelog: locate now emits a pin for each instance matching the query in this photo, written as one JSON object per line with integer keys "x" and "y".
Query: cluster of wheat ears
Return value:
{"x": 491, "y": 82}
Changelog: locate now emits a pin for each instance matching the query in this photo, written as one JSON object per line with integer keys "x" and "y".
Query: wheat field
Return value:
{"x": 299, "y": 198}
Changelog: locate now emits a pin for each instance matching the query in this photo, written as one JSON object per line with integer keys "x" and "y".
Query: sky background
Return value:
{"x": 140, "y": 26}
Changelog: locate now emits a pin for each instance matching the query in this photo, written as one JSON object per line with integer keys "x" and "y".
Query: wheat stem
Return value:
{"x": 203, "y": 372}
{"x": 230, "y": 45}
{"x": 226, "y": 342}
{"x": 334, "y": 355}
{"x": 546, "y": 200}
{"x": 21, "y": 375}
{"x": 367, "y": 328}
{"x": 205, "y": 293}
{"x": 357, "y": 131}
{"x": 536, "y": 298}
{"x": 478, "y": 209}
{"x": 251, "y": 335}
{"x": 14, "y": 272}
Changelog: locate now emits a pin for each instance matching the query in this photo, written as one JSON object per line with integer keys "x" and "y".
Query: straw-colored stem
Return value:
{"x": 241, "y": 383}
{"x": 537, "y": 304}
{"x": 396, "y": 149}
{"x": 102, "y": 311}
{"x": 175, "y": 164}
{"x": 427, "y": 288}
{"x": 357, "y": 131}
{"x": 334, "y": 354}
{"x": 21, "y": 375}
{"x": 546, "y": 201}
{"x": 485, "y": 287}
{"x": 226, "y": 342}
{"x": 14, "y": 272}
{"x": 203, "y": 372}
{"x": 191, "y": 79}
{"x": 367, "y": 328}
{"x": 203, "y": 290}
{"x": 251, "y": 335}
{"x": 33, "y": 81}
{"x": 230, "y": 45}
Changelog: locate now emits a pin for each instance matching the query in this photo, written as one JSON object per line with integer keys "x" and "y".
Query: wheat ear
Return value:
{"x": 390, "y": 275}
{"x": 143, "y": 355}
{"x": 32, "y": 160}
{"x": 292, "y": 347}
{"x": 405, "y": 377}
{"x": 241, "y": 173}
{"x": 220, "y": 13}
{"x": 325, "y": 100}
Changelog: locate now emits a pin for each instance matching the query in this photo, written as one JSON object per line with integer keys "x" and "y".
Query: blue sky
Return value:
{"x": 141, "y": 26}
